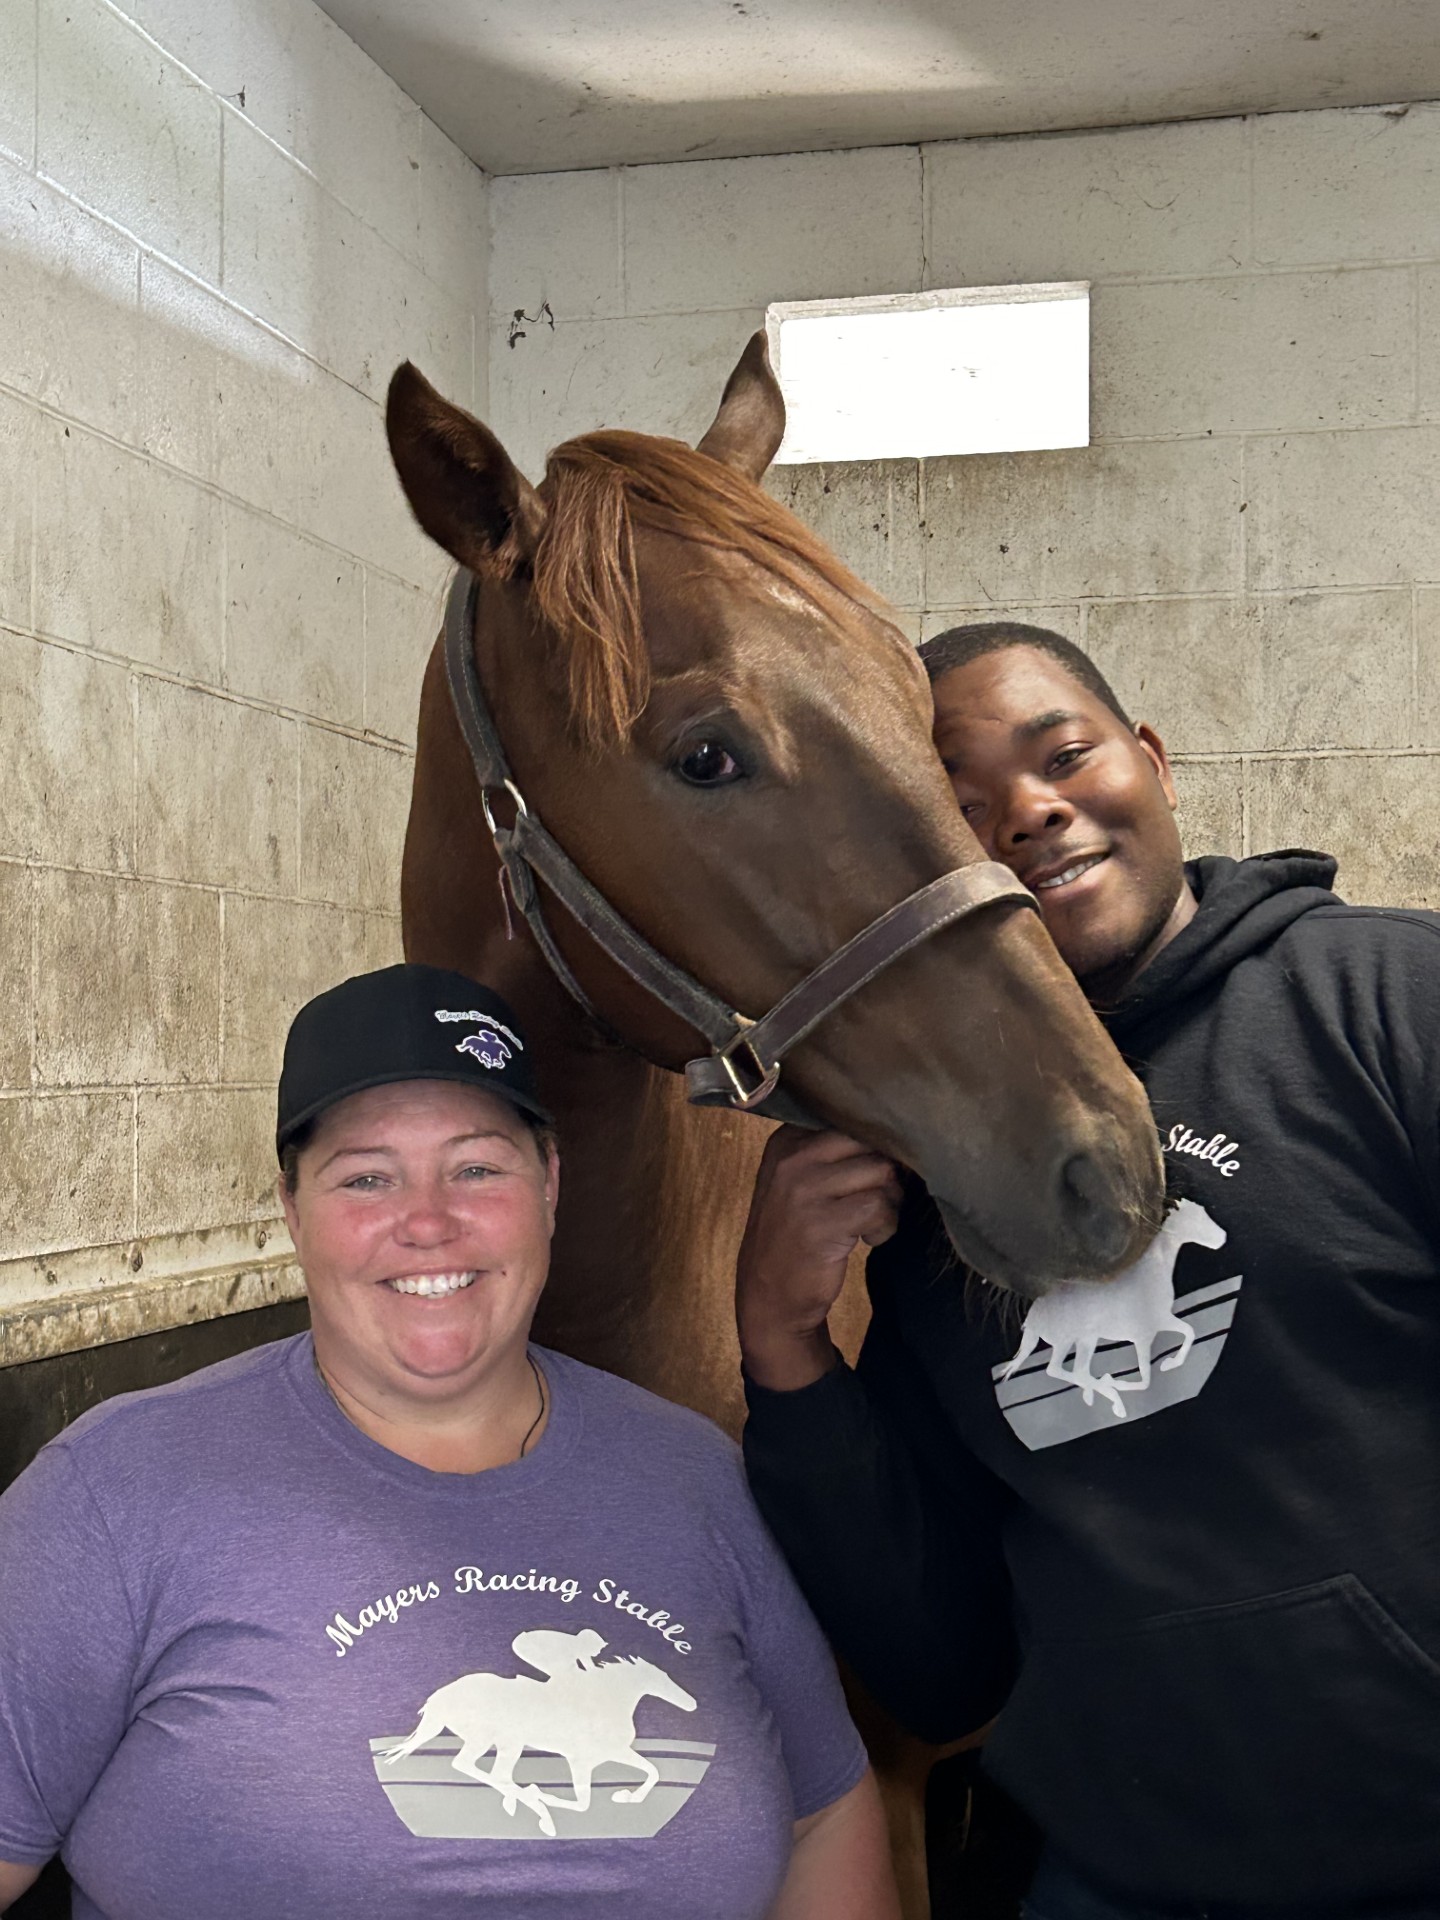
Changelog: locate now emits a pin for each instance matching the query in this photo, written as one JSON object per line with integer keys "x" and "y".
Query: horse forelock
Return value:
{"x": 597, "y": 490}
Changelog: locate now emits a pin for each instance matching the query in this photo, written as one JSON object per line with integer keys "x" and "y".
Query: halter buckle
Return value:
{"x": 747, "y": 1098}
{"x": 514, "y": 793}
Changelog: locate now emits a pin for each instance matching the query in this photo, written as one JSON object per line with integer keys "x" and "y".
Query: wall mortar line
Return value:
{"x": 241, "y": 891}
{"x": 33, "y": 906}
{"x": 1414, "y": 728}
{"x": 211, "y": 488}
{"x": 93, "y": 1089}
{"x": 34, "y": 168}
{"x": 1249, "y": 137}
{"x": 135, "y": 1160}
{"x": 220, "y": 222}
{"x": 231, "y": 696}
{"x": 1100, "y": 282}
{"x": 1416, "y": 343}
{"x": 925, "y": 222}
{"x": 133, "y": 850}
{"x": 622, "y": 249}
{"x": 221, "y": 1038}
{"x": 228, "y": 106}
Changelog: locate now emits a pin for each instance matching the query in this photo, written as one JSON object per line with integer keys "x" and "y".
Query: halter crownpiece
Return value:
{"x": 742, "y": 1069}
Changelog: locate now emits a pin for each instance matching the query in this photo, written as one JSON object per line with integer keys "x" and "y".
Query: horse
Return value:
{"x": 587, "y": 1716}
{"x": 724, "y": 730}
{"x": 1134, "y": 1308}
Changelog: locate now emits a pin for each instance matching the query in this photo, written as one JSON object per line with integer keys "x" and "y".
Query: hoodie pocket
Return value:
{"x": 1275, "y": 1751}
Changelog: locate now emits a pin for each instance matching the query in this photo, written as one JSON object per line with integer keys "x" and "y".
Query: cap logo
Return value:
{"x": 487, "y": 1047}
{"x": 493, "y": 1045}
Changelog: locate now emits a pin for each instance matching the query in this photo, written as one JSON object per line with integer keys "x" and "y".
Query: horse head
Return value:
{"x": 646, "y": 1679}
{"x": 726, "y": 733}
{"x": 1191, "y": 1225}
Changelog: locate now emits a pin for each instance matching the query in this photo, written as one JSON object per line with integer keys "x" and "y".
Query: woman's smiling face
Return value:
{"x": 422, "y": 1214}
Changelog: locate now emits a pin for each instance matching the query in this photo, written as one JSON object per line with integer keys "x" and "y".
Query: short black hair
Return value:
{"x": 958, "y": 646}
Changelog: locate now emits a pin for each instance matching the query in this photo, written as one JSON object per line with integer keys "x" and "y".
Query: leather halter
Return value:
{"x": 742, "y": 1069}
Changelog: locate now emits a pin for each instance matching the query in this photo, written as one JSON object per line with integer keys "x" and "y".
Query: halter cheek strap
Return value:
{"x": 743, "y": 1067}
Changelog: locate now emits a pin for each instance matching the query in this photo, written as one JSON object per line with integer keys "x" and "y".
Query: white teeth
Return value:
{"x": 1070, "y": 873}
{"x": 431, "y": 1284}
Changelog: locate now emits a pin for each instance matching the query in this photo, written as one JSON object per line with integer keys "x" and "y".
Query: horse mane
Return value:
{"x": 598, "y": 489}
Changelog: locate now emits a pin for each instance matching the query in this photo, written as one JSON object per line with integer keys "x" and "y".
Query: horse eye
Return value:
{"x": 708, "y": 764}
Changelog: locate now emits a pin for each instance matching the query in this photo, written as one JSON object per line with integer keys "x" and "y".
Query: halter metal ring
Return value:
{"x": 746, "y": 1099}
{"x": 514, "y": 793}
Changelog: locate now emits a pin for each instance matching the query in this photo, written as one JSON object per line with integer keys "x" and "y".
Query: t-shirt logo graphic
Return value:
{"x": 1120, "y": 1321}
{"x": 583, "y": 1711}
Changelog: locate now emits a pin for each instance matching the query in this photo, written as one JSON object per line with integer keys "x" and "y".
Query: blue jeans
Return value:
{"x": 1059, "y": 1893}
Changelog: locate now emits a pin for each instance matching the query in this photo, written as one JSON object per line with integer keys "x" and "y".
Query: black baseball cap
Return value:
{"x": 402, "y": 1023}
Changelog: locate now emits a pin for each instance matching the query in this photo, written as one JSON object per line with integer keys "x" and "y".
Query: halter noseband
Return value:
{"x": 742, "y": 1070}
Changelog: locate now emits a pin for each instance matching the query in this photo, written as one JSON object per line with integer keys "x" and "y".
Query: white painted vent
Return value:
{"x": 964, "y": 370}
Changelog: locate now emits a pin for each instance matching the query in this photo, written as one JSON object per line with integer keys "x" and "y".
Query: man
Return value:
{"x": 1183, "y": 1525}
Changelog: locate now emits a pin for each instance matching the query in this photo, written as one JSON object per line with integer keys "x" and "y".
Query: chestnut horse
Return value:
{"x": 722, "y": 729}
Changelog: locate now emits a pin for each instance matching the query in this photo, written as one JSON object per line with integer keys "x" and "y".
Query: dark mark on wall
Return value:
{"x": 519, "y": 320}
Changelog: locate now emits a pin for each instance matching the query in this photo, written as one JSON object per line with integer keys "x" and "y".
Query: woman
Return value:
{"x": 405, "y": 1616}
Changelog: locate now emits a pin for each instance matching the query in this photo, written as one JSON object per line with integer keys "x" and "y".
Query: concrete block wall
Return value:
{"x": 1251, "y": 545}
{"x": 220, "y": 228}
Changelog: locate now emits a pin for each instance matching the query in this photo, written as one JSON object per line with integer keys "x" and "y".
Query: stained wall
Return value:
{"x": 220, "y": 228}
{"x": 1251, "y": 545}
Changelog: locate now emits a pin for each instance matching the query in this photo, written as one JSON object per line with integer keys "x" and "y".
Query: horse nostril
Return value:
{"x": 1082, "y": 1179}
{"x": 1100, "y": 1220}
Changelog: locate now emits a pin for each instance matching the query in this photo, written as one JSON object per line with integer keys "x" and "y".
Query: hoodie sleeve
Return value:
{"x": 1377, "y": 995}
{"x": 892, "y": 1528}
{"x": 1410, "y": 1024}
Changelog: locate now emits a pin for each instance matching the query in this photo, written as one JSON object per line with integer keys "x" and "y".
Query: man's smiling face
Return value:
{"x": 1074, "y": 802}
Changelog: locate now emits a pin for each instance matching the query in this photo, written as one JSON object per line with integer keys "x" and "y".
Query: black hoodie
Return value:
{"x": 1212, "y": 1606}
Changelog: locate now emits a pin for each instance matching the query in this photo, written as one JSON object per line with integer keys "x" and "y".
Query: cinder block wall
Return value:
{"x": 1251, "y": 546}
{"x": 220, "y": 228}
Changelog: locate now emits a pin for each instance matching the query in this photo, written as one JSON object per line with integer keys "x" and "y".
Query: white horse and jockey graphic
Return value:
{"x": 583, "y": 1711}
{"x": 1121, "y": 1320}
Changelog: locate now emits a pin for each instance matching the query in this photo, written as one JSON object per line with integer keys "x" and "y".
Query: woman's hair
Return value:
{"x": 290, "y": 1155}
{"x": 545, "y": 1138}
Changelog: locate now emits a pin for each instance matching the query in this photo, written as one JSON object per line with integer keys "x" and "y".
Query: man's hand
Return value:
{"x": 817, "y": 1196}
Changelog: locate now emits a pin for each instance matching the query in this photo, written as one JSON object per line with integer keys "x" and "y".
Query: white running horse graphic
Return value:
{"x": 1136, "y": 1306}
{"x": 586, "y": 1715}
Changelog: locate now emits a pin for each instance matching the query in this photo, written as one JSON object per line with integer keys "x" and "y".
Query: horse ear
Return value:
{"x": 463, "y": 488}
{"x": 750, "y": 424}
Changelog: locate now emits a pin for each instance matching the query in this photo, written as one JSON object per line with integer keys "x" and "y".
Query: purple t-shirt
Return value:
{"x": 253, "y": 1663}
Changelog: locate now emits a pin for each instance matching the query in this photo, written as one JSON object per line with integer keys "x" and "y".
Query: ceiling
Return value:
{"x": 537, "y": 86}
